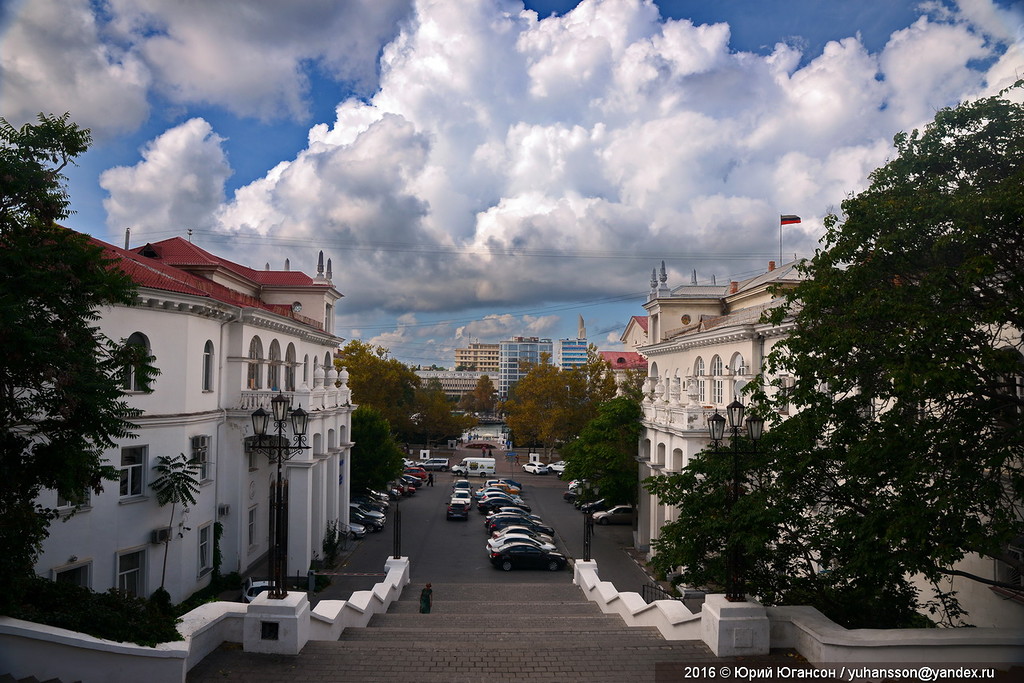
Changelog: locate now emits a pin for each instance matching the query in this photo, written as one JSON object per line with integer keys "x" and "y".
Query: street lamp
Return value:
{"x": 278, "y": 450}
{"x": 734, "y": 588}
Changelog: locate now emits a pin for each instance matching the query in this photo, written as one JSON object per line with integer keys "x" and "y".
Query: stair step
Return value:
{"x": 498, "y": 622}
{"x": 454, "y": 639}
{"x": 469, "y": 607}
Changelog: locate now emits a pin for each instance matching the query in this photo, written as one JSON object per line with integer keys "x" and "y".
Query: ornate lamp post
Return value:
{"x": 278, "y": 449}
{"x": 734, "y": 585}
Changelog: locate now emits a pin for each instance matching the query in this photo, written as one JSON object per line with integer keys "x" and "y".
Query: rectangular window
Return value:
{"x": 82, "y": 500}
{"x": 78, "y": 576}
{"x": 716, "y": 391}
{"x": 252, "y": 525}
{"x": 201, "y": 456}
{"x": 129, "y": 573}
{"x": 133, "y": 464}
{"x": 205, "y": 549}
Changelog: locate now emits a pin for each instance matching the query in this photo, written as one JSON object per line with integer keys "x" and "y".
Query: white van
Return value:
{"x": 483, "y": 467}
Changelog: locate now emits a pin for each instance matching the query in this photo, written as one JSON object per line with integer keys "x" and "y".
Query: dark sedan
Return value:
{"x": 523, "y": 556}
{"x": 496, "y": 502}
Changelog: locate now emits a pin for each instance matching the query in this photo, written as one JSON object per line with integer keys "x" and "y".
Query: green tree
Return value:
{"x": 587, "y": 387}
{"x": 483, "y": 398}
{"x": 175, "y": 483}
{"x": 605, "y": 452}
{"x": 538, "y": 406}
{"x": 434, "y": 419}
{"x": 378, "y": 380}
{"x": 61, "y": 404}
{"x": 903, "y": 453}
{"x": 376, "y": 456}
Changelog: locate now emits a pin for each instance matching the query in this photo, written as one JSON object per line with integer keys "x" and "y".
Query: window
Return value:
{"x": 252, "y": 525}
{"x": 254, "y": 381}
{"x": 205, "y": 549}
{"x": 1009, "y": 573}
{"x": 274, "y": 367}
{"x": 717, "y": 384}
{"x": 133, "y": 463}
{"x": 77, "y": 576}
{"x": 133, "y": 379}
{"x": 329, "y": 319}
{"x": 82, "y": 500}
{"x": 201, "y": 456}
{"x": 739, "y": 366}
{"x": 129, "y": 573}
{"x": 289, "y": 368}
{"x": 305, "y": 370}
{"x": 208, "y": 366}
{"x": 698, "y": 371}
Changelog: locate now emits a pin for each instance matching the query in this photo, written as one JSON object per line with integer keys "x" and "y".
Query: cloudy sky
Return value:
{"x": 484, "y": 168}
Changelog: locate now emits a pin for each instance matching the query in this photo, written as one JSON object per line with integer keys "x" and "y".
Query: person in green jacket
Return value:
{"x": 426, "y": 599}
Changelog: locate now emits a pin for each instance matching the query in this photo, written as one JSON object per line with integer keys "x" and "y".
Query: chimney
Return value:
{"x": 771, "y": 266}
{"x": 734, "y": 287}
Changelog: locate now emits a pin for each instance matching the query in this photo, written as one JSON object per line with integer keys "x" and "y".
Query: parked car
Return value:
{"x": 356, "y": 530}
{"x": 569, "y": 496}
{"x": 592, "y": 506}
{"x": 512, "y": 510}
{"x": 507, "y": 484}
{"x": 620, "y": 514}
{"x": 558, "y": 468}
{"x": 503, "y": 521}
{"x": 366, "y": 511}
{"x": 523, "y": 556}
{"x": 462, "y": 497}
{"x": 522, "y": 531}
{"x": 370, "y": 503}
{"x": 462, "y": 485}
{"x": 493, "y": 503}
{"x": 458, "y": 509}
{"x": 513, "y": 483}
{"x": 496, "y": 544}
{"x": 417, "y": 472}
{"x": 436, "y": 464}
{"x": 254, "y": 587}
{"x": 536, "y": 468}
{"x": 369, "y": 523}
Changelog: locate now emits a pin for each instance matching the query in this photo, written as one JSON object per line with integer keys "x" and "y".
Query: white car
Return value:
{"x": 523, "y": 531}
{"x": 462, "y": 497}
{"x": 495, "y": 544}
{"x": 254, "y": 588}
{"x": 536, "y": 468}
{"x": 557, "y": 467}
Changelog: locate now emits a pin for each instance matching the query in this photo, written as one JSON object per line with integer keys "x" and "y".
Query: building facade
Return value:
{"x": 516, "y": 355}
{"x": 225, "y": 339}
{"x": 455, "y": 383}
{"x": 705, "y": 344}
{"x": 483, "y": 358}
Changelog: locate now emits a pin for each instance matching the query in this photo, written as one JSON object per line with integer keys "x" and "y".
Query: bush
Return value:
{"x": 113, "y": 615}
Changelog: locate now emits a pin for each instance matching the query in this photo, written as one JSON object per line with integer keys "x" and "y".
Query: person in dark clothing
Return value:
{"x": 426, "y": 599}
{"x": 430, "y": 479}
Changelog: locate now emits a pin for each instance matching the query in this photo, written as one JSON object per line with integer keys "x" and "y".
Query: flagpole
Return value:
{"x": 786, "y": 219}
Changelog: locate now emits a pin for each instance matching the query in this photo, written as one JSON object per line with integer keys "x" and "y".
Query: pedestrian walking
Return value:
{"x": 430, "y": 479}
{"x": 426, "y": 599}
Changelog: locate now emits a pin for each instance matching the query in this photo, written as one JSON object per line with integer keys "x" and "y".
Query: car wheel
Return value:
{"x": 603, "y": 520}
{"x": 553, "y": 566}
{"x": 506, "y": 565}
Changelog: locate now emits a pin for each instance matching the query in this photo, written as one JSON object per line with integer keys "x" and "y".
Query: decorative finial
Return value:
{"x": 664, "y": 275}
{"x": 654, "y": 278}
{"x": 287, "y": 264}
{"x": 693, "y": 277}
{"x": 320, "y": 265}
{"x": 328, "y": 269}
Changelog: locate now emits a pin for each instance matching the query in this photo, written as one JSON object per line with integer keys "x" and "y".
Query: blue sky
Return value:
{"x": 483, "y": 169}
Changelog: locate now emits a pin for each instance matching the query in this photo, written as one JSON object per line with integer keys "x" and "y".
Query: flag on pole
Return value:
{"x": 789, "y": 219}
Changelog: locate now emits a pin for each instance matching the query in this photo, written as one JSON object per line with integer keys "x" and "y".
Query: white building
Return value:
{"x": 225, "y": 338}
{"x": 454, "y": 383}
{"x": 705, "y": 344}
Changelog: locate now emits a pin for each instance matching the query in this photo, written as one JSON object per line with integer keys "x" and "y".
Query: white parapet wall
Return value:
{"x": 28, "y": 649}
{"x": 817, "y": 638}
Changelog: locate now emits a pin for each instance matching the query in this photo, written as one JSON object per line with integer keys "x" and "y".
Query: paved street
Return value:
{"x": 453, "y": 551}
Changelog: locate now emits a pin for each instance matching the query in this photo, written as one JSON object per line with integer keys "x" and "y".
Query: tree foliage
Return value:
{"x": 376, "y": 456}
{"x": 382, "y": 382}
{"x": 175, "y": 484}
{"x": 904, "y": 450}
{"x": 605, "y": 452}
{"x": 550, "y": 406}
{"x": 483, "y": 398}
{"x": 61, "y": 404}
{"x": 434, "y": 419}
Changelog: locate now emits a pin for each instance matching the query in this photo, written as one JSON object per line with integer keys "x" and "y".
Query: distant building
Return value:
{"x": 513, "y": 353}
{"x": 480, "y": 357}
{"x": 456, "y": 383}
{"x": 622, "y": 362}
{"x": 635, "y": 334}
{"x": 572, "y": 353}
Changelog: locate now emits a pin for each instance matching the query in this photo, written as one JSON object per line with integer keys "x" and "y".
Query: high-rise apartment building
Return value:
{"x": 515, "y": 352}
{"x": 482, "y": 358}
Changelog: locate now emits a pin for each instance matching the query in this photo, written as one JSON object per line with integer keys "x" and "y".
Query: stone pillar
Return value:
{"x": 279, "y": 627}
{"x": 734, "y": 629}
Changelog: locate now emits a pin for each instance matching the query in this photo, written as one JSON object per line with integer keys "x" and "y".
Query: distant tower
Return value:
{"x": 581, "y": 332}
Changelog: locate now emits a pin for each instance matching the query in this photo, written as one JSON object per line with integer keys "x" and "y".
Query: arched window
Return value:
{"x": 274, "y": 367}
{"x": 208, "y": 366}
{"x": 289, "y": 368}
{"x": 133, "y": 379}
{"x": 698, "y": 371}
{"x": 717, "y": 383}
{"x": 255, "y": 359}
{"x": 738, "y": 365}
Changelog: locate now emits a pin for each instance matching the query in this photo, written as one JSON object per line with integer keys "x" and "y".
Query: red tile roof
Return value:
{"x": 624, "y": 360}
{"x": 182, "y": 253}
{"x": 641, "y": 320}
{"x": 156, "y": 273}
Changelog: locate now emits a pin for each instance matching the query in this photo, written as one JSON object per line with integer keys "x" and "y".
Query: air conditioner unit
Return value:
{"x": 160, "y": 535}
{"x": 223, "y": 510}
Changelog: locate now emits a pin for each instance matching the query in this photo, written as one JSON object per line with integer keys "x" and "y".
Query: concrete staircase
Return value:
{"x": 490, "y": 618}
